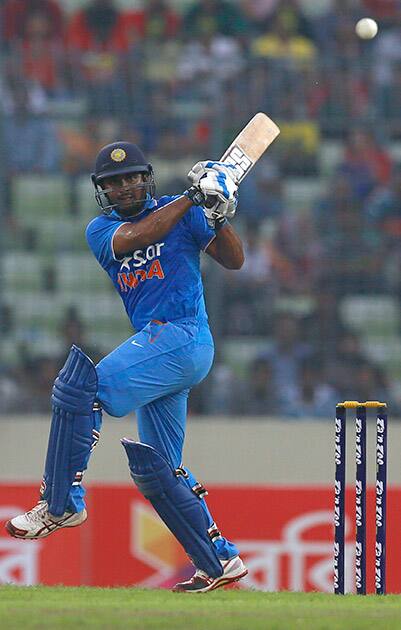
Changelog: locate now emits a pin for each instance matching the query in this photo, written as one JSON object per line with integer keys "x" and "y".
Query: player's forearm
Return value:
{"x": 228, "y": 248}
{"x": 152, "y": 228}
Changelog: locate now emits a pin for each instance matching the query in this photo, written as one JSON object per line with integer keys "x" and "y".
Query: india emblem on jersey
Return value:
{"x": 118, "y": 155}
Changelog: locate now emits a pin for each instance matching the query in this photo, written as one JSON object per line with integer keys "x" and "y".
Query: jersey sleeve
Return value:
{"x": 99, "y": 235}
{"x": 196, "y": 223}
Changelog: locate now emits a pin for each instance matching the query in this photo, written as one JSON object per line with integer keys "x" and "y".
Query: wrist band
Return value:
{"x": 195, "y": 195}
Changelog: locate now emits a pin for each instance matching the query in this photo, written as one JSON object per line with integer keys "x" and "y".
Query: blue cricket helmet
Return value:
{"x": 120, "y": 158}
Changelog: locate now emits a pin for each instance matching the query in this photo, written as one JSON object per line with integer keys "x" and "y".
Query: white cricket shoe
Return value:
{"x": 200, "y": 582}
{"x": 39, "y": 523}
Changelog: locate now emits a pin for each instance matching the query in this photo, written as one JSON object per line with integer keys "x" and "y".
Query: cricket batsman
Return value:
{"x": 151, "y": 250}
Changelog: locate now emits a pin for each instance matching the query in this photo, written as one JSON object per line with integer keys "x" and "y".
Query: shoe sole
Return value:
{"x": 224, "y": 581}
{"x": 21, "y": 534}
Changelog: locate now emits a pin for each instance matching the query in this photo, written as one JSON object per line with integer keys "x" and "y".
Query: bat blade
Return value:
{"x": 251, "y": 143}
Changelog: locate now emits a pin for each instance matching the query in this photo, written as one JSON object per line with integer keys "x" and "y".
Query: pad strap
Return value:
{"x": 177, "y": 505}
{"x": 198, "y": 488}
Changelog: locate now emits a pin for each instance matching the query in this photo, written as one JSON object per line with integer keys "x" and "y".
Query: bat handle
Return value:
{"x": 210, "y": 201}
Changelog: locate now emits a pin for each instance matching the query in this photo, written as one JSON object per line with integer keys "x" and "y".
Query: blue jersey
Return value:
{"x": 162, "y": 281}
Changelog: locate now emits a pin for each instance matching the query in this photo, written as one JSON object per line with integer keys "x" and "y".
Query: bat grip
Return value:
{"x": 210, "y": 201}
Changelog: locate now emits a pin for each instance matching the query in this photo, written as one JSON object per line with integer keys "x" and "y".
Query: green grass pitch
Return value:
{"x": 103, "y": 608}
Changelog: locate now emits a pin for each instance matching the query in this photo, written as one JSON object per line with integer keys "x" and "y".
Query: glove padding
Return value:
{"x": 220, "y": 191}
{"x": 202, "y": 168}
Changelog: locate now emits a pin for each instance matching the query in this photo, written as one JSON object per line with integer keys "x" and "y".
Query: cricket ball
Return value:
{"x": 366, "y": 28}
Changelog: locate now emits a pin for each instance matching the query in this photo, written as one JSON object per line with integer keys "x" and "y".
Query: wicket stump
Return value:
{"x": 360, "y": 493}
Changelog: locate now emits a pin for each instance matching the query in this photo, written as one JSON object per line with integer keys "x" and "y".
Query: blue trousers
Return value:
{"x": 152, "y": 373}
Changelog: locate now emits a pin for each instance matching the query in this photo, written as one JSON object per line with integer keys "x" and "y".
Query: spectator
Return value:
{"x": 30, "y": 138}
{"x": 39, "y": 55}
{"x": 72, "y": 331}
{"x": 12, "y": 395}
{"x": 100, "y": 26}
{"x": 339, "y": 196}
{"x": 323, "y": 327}
{"x": 218, "y": 391}
{"x": 39, "y": 376}
{"x": 97, "y": 37}
{"x": 348, "y": 49}
{"x": 210, "y": 59}
{"x": 286, "y": 354}
{"x": 290, "y": 12}
{"x": 383, "y": 208}
{"x": 353, "y": 254}
{"x": 248, "y": 297}
{"x": 154, "y": 47}
{"x": 386, "y": 56}
{"x": 312, "y": 397}
{"x": 342, "y": 100}
{"x": 81, "y": 143}
{"x": 206, "y": 68}
{"x": 282, "y": 42}
{"x": 282, "y": 89}
{"x": 258, "y": 11}
{"x": 261, "y": 197}
{"x": 15, "y": 14}
{"x": 156, "y": 22}
{"x": 388, "y": 102}
{"x": 258, "y": 396}
{"x": 314, "y": 10}
{"x": 212, "y": 17}
{"x": 166, "y": 141}
{"x": 335, "y": 25}
{"x": 385, "y": 10}
{"x": 365, "y": 163}
{"x": 296, "y": 260}
{"x": 341, "y": 369}
{"x": 370, "y": 383}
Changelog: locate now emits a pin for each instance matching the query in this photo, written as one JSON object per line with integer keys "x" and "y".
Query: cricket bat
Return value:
{"x": 251, "y": 143}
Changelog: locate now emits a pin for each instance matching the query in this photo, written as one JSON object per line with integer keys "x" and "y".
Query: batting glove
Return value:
{"x": 200, "y": 169}
{"x": 220, "y": 192}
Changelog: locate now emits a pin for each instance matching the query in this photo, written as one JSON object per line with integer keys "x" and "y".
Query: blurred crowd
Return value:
{"x": 180, "y": 83}
{"x": 161, "y": 77}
